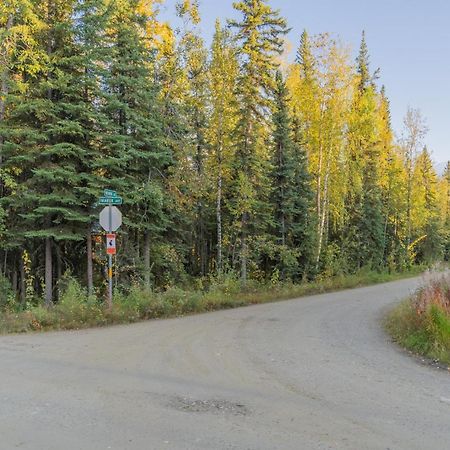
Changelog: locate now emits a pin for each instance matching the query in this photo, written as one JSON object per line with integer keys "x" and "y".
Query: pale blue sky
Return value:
{"x": 408, "y": 39}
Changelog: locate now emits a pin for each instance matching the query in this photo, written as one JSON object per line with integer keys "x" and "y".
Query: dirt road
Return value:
{"x": 313, "y": 373}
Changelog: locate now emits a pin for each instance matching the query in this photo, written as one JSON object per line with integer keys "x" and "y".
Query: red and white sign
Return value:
{"x": 111, "y": 244}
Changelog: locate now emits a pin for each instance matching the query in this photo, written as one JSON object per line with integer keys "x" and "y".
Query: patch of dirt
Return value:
{"x": 209, "y": 406}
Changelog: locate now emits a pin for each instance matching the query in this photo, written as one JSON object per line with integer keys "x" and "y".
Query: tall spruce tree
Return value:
{"x": 91, "y": 18}
{"x": 365, "y": 228}
{"x": 259, "y": 34}
{"x": 392, "y": 187}
{"x": 305, "y": 58}
{"x": 283, "y": 164}
{"x": 45, "y": 137}
{"x": 291, "y": 193}
{"x": 425, "y": 210}
{"x": 371, "y": 222}
{"x": 134, "y": 156}
{"x": 362, "y": 62}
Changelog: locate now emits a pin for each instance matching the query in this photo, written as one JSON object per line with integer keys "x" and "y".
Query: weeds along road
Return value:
{"x": 313, "y": 373}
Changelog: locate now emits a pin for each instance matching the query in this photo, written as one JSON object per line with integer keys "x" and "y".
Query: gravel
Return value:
{"x": 313, "y": 373}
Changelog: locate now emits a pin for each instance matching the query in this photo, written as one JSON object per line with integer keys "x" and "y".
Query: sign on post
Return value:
{"x": 110, "y": 220}
{"x": 110, "y": 201}
{"x": 111, "y": 244}
{"x": 109, "y": 193}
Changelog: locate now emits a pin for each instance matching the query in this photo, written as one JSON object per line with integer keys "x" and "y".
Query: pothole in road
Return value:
{"x": 209, "y": 406}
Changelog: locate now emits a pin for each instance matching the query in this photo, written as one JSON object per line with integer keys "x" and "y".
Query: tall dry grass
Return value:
{"x": 422, "y": 323}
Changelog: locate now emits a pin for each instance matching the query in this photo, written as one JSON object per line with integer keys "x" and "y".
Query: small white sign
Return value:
{"x": 111, "y": 244}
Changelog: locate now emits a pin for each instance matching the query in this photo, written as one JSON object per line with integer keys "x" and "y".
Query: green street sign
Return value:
{"x": 110, "y": 201}
{"x": 109, "y": 193}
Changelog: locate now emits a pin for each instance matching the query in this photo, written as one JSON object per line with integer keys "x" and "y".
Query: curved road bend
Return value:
{"x": 312, "y": 373}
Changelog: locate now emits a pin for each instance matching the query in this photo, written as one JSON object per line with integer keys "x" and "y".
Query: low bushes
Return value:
{"x": 422, "y": 323}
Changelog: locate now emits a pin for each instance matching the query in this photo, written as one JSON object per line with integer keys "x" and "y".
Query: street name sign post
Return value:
{"x": 109, "y": 193}
{"x": 110, "y": 201}
{"x": 110, "y": 220}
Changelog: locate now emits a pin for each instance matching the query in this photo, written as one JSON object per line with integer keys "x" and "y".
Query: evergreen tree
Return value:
{"x": 392, "y": 187}
{"x": 291, "y": 195}
{"x": 259, "y": 34}
{"x": 362, "y": 62}
{"x": 366, "y": 79}
{"x": 425, "y": 210}
{"x": 45, "y": 138}
{"x": 134, "y": 155}
{"x": 305, "y": 58}
{"x": 371, "y": 226}
{"x": 364, "y": 203}
{"x": 283, "y": 164}
{"x": 92, "y": 57}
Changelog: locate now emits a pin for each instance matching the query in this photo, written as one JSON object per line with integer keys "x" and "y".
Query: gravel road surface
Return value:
{"x": 312, "y": 373}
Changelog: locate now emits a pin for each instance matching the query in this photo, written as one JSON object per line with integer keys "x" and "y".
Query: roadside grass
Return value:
{"x": 422, "y": 323}
{"x": 76, "y": 310}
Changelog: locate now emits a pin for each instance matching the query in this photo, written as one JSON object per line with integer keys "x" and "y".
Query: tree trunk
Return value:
{"x": 324, "y": 212}
{"x": 219, "y": 222}
{"x": 59, "y": 264}
{"x": 318, "y": 206}
{"x": 244, "y": 249}
{"x": 137, "y": 239}
{"x": 199, "y": 263}
{"x": 22, "y": 286}
{"x": 408, "y": 206}
{"x": 219, "y": 155}
{"x": 90, "y": 270}
{"x": 14, "y": 278}
{"x": 280, "y": 182}
{"x": 5, "y": 263}
{"x": 147, "y": 279}
{"x": 283, "y": 229}
{"x": 386, "y": 222}
{"x": 48, "y": 272}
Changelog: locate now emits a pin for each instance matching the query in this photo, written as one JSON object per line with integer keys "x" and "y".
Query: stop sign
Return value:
{"x": 110, "y": 218}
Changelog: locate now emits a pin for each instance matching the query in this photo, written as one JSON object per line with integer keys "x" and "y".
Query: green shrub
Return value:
{"x": 6, "y": 293}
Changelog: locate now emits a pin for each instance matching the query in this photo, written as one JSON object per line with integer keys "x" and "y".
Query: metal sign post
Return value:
{"x": 110, "y": 263}
{"x": 110, "y": 220}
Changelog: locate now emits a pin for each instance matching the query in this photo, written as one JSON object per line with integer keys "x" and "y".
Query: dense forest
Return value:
{"x": 231, "y": 158}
